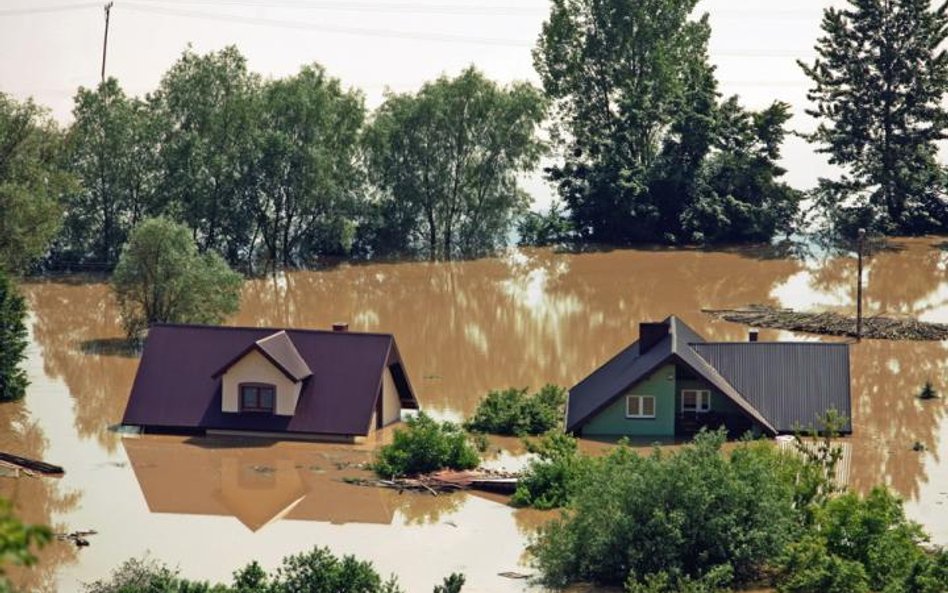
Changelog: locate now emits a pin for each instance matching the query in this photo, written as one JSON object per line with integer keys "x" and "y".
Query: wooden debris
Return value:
{"x": 513, "y": 575}
{"x": 30, "y": 466}
{"x": 833, "y": 324}
{"x": 76, "y": 537}
{"x": 447, "y": 481}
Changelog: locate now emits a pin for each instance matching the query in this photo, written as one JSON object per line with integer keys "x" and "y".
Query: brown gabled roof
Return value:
{"x": 177, "y": 385}
{"x": 279, "y": 349}
{"x": 779, "y": 388}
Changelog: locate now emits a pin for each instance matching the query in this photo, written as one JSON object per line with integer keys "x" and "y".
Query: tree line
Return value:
{"x": 643, "y": 148}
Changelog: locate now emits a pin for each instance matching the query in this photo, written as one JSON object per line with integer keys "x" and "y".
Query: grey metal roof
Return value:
{"x": 791, "y": 383}
{"x": 748, "y": 380}
{"x": 280, "y": 349}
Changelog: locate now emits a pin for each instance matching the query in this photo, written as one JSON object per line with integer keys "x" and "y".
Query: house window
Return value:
{"x": 695, "y": 400}
{"x": 257, "y": 397}
{"x": 640, "y": 406}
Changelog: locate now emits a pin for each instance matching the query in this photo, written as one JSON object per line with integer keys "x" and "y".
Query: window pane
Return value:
{"x": 632, "y": 405}
{"x": 248, "y": 397}
{"x": 266, "y": 398}
{"x": 688, "y": 400}
{"x": 705, "y": 400}
{"x": 648, "y": 406}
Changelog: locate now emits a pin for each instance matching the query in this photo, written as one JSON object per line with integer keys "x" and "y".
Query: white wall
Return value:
{"x": 255, "y": 368}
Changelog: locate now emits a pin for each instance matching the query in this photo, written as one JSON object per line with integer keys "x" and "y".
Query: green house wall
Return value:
{"x": 720, "y": 403}
{"x": 611, "y": 421}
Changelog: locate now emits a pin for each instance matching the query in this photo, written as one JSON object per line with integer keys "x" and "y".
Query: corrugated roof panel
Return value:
{"x": 792, "y": 384}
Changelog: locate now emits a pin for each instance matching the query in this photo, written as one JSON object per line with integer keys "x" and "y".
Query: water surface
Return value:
{"x": 209, "y": 506}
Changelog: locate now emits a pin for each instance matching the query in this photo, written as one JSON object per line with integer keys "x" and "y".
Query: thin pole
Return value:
{"x": 859, "y": 243}
{"x": 105, "y": 40}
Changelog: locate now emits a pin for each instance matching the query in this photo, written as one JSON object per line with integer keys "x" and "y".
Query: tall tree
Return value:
{"x": 13, "y": 341}
{"x": 879, "y": 80}
{"x": 32, "y": 179}
{"x": 446, "y": 160}
{"x": 112, "y": 146}
{"x": 210, "y": 107}
{"x": 161, "y": 278}
{"x": 638, "y": 122}
{"x": 309, "y": 173}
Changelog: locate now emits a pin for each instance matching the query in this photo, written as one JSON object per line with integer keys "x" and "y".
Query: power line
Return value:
{"x": 375, "y": 7}
{"x": 423, "y": 36}
{"x": 48, "y": 9}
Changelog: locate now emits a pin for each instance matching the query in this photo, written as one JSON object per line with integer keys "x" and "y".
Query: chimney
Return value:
{"x": 651, "y": 333}
{"x": 340, "y": 326}
{"x": 752, "y": 335}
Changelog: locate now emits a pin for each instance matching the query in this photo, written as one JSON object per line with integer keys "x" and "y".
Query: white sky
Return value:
{"x": 48, "y": 48}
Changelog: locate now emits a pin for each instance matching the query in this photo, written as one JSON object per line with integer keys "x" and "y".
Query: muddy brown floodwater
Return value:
{"x": 532, "y": 317}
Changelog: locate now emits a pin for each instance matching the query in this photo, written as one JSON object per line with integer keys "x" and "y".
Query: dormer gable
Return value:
{"x": 266, "y": 377}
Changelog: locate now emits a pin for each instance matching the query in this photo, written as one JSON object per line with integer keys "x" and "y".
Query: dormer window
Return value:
{"x": 257, "y": 397}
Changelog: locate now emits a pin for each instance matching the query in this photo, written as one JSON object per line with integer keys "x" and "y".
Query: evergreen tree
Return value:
{"x": 879, "y": 79}
{"x": 13, "y": 380}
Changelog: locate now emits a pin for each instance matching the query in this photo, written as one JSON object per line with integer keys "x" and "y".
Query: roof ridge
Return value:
{"x": 788, "y": 342}
{"x": 275, "y": 330}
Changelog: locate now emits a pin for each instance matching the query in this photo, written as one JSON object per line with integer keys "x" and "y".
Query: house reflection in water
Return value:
{"x": 257, "y": 485}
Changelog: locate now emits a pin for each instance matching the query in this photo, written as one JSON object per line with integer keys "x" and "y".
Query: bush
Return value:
{"x": 686, "y": 514}
{"x": 141, "y": 575}
{"x": 716, "y": 581}
{"x": 425, "y": 446}
{"x": 320, "y": 570}
{"x": 161, "y": 278}
{"x": 13, "y": 342}
{"x": 551, "y": 480}
{"x": 861, "y": 544}
{"x": 514, "y": 412}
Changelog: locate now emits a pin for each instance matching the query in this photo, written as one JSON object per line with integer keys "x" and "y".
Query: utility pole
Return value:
{"x": 861, "y": 235}
{"x": 105, "y": 40}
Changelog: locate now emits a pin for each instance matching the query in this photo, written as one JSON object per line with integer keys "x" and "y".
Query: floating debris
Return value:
{"x": 76, "y": 537}
{"x": 514, "y": 575}
{"x": 833, "y": 324}
{"x": 447, "y": 481}
{"x": 30, "y": 467}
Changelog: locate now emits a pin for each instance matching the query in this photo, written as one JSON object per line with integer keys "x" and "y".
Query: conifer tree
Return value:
{"x": 879, "y": 79}
{"x": 13, "y": 380}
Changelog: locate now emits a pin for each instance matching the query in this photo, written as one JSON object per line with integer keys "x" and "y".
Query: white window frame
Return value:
{"x": 702, "y": 396}
{"x": 640, "y": 406}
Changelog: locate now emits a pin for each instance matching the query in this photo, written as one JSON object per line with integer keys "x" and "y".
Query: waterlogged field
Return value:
{"x": 463, "y": 328}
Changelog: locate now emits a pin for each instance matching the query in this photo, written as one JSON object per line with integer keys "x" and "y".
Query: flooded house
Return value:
{"x": 276, "y": 383}
{"x": 671, "y": 383}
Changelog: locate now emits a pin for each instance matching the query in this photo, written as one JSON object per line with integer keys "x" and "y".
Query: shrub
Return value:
{"x": 320, "y": 570}
{"x": 860, "y": 544}
{"x": 514, "y": 412}
{"x": 161, "y": 278}
{"x": 551, "y": 479}
{"x": 424, "y": 446}
{"x": 140, "y": 575}
{"x": 685, "y": 514}
{"x": 13, "y": 334}
{"x": 716, "y": 581}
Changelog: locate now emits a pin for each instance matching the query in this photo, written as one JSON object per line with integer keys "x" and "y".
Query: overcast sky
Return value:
{"x": 48, "y": 48}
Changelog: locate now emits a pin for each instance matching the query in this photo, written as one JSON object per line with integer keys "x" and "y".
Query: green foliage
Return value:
{"x": 514, "y": 412}
{"x": 559, "y": 470}
{"x": 928, "y": 391}
{"x": 32, "y": 179}
{"x": 686, "y": 514}
{"x": 320, "y": 570}
{"x": 308, "y": 173}
{"x": 862, "y": 544}
{"x": 13, "y": 340}
{"x": 446, "y": 161}
{"x": 424, "y": 446}
{"x": 717, "y": 580}
{"x": 161, "y": 278}
{"x": 648, "y": 152}
{"x": 148, "y": 575}
{"x": 539, "y": 229}
{"x": 452, "y": 584}
{"x": 17, "y": 539}
{"x": 112, "y": 148}
{"x": 879, "y": 80}
{"x": 816, "y": 480}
